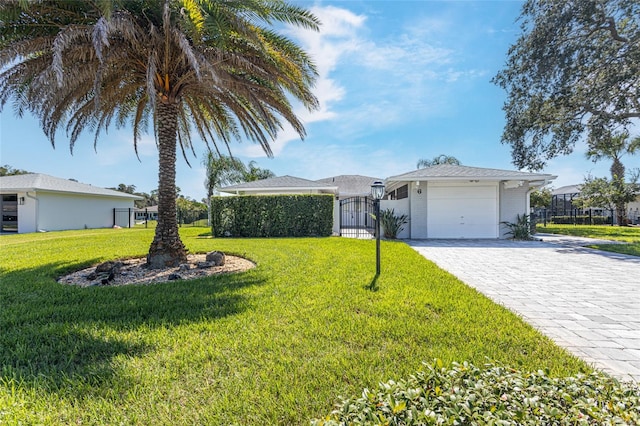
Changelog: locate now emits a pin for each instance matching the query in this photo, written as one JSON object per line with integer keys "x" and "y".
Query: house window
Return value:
{"x": 402, "y": 192}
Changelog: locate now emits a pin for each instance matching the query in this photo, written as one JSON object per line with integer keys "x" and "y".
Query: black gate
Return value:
{"x": 357, "y": 217}
{"x": 122, "y": 217}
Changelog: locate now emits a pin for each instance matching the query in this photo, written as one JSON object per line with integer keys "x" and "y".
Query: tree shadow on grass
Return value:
{"x": 56, "y": 335}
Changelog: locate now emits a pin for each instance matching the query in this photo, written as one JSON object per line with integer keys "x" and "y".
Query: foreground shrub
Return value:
{"x": 520, "y": 229}
{"x": 494, "y": 395}
{"x": 391, "y": 223}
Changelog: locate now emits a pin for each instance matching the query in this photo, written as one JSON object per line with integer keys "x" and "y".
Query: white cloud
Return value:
{"x": 392, "y": 80}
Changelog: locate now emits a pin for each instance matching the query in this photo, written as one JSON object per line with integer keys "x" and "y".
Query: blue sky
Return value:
{"x": 399, "y": 81}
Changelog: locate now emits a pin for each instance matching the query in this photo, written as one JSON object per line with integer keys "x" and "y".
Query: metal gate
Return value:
{"x": 357, "y": 218}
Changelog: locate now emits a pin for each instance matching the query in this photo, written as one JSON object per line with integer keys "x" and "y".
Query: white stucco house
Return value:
{"x": 449, "y": 201}
{"x": 38, "y": 202}
{"x": 442, "y": 201}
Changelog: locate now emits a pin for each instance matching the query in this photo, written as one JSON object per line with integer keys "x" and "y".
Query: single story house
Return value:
{"x": 450, "y": 201}
{"x": 38, "y": 202}
{"x": 442, "y": 201}
{"x": 144, "y": 213}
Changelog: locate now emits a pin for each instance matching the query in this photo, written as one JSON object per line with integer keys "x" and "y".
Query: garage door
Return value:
{"x": 462, "y": 212}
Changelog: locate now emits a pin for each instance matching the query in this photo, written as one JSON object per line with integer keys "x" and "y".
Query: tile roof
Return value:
{"x": 42, "y": 182}
{"x": 453, "y": 172}
{"x": 280, "y": 182}
{"x": 351, "y": 185}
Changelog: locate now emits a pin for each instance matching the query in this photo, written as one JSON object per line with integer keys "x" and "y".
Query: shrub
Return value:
{"x": 498, "y": 395}
{"x": 521, "y": 229}
{"x": 391, "y": 223}
{"x": 272, "y": 216}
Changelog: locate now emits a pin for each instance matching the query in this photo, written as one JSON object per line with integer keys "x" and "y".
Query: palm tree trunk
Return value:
{"x": 167, "y": 248}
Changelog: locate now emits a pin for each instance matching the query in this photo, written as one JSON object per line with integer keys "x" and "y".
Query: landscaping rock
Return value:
{"x": 205, "y": 265}
{"x": 184, "y": 267}
{"x": 108, "y": 267}
{"x": 216, "y": 257}
{"x": 174, "y": 277}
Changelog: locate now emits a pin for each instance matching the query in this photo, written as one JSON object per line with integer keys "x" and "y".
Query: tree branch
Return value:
{"x": 609, "y": 24}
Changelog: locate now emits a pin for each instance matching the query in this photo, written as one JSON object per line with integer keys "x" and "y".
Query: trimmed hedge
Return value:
{"x": 272, "y": 216}
{"x": 495, "y": 395}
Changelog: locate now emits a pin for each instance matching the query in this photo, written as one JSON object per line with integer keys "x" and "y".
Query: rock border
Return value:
{"x": 135, "y": 272}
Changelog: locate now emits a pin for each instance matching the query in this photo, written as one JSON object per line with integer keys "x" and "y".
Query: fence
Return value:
{"x": 576, "y": 217}
{"x": 123, "y": 217}
{"x": 193, "y": 217}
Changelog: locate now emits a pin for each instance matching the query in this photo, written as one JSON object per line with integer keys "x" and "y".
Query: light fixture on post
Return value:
{"x": 377, "y": 192}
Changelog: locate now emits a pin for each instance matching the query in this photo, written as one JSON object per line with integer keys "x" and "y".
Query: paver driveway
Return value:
{"x": 586, "y": 300}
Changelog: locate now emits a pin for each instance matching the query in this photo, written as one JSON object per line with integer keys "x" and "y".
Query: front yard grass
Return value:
{"x": 276, "y": 345}
{"x": 630, "y": 235}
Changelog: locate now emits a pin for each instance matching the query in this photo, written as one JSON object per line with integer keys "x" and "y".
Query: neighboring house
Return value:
{"x": 145, "y": 213}
{"x": 38, "y": 202}
{"x": 280, "y": 185}
{"x": 562, "y": 204}
{"x": 449, "y": 201}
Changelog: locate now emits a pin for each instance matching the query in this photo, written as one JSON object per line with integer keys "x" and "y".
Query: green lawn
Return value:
{"x": 275, "y": 345}
{"x": 630, "y": 235}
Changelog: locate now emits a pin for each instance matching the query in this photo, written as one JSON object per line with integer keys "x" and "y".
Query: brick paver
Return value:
{"x": 586, "y": 300}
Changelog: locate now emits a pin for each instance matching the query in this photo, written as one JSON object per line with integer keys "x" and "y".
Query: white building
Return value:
{"x": 38, "y": 202}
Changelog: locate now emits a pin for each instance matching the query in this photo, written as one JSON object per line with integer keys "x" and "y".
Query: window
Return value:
{"x": 402, "y": 192}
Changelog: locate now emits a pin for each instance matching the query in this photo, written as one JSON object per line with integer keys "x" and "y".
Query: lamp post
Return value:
{"x": 377, "y": 192}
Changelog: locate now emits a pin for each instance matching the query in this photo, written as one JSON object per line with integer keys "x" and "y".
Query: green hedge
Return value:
{"x": 581, "y": 220}
{"x": 272, "y": 216}
{"x": 494, "y": 395}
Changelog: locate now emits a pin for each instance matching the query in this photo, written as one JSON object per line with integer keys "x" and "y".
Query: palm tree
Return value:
{"x": 254, "y": 173}
{"x": 187, "y": 68}
{"x": 440, "y": 159}
{"x": 222, "y": 170}
{"x": 614, "y": 147}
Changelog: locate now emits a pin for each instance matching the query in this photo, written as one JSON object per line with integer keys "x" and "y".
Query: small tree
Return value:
{"x": 540, "y": 198}
{"x": 7, "y": 170}
{"x": 612, "y": 194}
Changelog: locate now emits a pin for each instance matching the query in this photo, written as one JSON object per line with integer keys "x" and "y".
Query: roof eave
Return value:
{"x": 469, "y": 178}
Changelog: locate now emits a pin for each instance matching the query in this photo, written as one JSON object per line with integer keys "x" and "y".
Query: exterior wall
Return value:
{"x": 27, "y": 213}
{"x": 418, "y": 208}
{"x": 336, "y": 216}
{"x": 513, "y": 202}
{"x": 56, "y": 212}
{"x": 399, "y": 207}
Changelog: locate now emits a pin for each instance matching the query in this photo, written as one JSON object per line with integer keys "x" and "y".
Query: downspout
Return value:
{"x": 37, "y": 210}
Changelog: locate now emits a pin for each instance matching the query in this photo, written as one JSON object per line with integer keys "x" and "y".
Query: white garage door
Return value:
{"x": 462, "y": 212}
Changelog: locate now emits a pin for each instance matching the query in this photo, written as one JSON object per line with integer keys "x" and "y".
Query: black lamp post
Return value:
{"x": 377, "y": 192}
